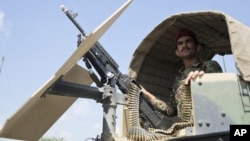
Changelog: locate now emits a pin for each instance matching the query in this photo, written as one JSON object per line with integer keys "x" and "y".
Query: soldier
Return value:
{"x": 187, "y": 48}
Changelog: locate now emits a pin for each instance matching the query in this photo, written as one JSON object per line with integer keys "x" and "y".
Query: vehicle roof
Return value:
{"x": 155, "y": 64}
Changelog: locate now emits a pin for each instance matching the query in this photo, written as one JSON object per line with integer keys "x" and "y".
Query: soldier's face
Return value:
{"x": 186, "y": 47}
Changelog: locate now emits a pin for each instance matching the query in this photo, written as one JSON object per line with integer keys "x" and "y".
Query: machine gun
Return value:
{"x": 109, "y": 77}
{"x": 102, "y": 62}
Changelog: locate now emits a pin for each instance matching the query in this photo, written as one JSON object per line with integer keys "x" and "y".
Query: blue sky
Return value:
{"x": 36, "y": 38}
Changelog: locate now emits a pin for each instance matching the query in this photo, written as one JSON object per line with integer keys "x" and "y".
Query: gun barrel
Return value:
{"x": 71, "y": 16}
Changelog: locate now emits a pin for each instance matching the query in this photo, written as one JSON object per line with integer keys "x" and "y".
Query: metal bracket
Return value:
{"x": 245, "y": 94}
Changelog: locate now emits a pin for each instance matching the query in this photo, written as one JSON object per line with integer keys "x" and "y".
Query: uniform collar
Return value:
{"x": 194, "y": 65}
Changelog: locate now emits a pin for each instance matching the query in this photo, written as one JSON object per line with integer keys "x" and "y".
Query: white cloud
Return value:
{"x": 4, "y": 25}
{"x": 97, "y": 126}
{"x": 64, "y": 117}
{"x": 82, "y": 108}
{"x": 1, "y": 20}
{"x": 79, "y": 109}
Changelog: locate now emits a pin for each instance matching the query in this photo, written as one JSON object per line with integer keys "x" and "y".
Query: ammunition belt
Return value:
{"x": 137, "y": 133}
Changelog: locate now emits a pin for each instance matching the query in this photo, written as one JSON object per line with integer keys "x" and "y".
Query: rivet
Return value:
{"x": 199, "y": 83}
{"x": 223, "y": 114}
{"x": 200, "y": 123}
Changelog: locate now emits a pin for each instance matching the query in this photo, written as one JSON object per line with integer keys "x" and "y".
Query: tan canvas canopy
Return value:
{"x": 154, "y": 62}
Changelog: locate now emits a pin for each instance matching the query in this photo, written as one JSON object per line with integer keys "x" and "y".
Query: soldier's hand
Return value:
{"x": 147, "y": 94}
{"x": 193, "y": 75}
{"x": 143, "y": 90}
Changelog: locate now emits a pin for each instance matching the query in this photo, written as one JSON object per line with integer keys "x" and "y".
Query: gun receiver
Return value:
{"x": 103, "y": 63}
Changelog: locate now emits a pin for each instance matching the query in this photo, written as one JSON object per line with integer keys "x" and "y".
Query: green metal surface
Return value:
{"x": 217, "y": 103}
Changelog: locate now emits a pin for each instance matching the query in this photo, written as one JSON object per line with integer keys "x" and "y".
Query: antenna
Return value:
{"x": 223, "y": 59}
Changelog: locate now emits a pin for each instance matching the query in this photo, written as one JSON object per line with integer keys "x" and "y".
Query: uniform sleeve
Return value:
{"x": 163, "y": 107}
{"x": 212, "y": 67}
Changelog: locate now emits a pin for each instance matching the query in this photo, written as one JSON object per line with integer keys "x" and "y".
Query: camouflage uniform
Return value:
{"x": 170, "y": 109}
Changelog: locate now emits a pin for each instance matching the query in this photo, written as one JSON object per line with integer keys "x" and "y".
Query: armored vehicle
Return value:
{"x": 218, "y": 99}
{"x": 210, "y": 104}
